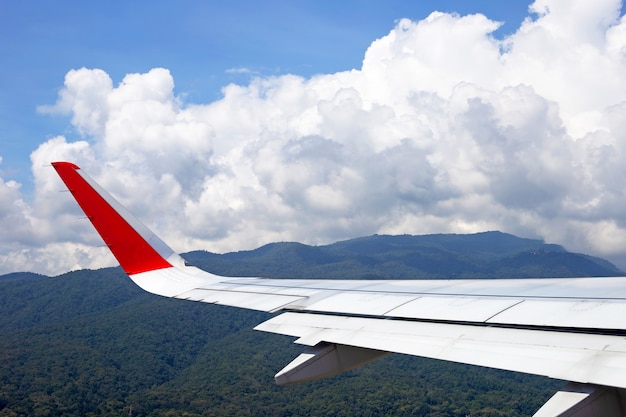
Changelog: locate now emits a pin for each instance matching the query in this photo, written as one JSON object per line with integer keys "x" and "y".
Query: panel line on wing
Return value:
{"x": 246, "y": 299}
{"x": 431, "y": 292}
{"x": 500, "y": 312}
{"x": 511, "y": 326}
{"x": 227, "y": 290}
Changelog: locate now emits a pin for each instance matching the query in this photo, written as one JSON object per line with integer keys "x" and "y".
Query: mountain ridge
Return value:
{"x": 481, "y": 255}
{"x": 491, "y": 254}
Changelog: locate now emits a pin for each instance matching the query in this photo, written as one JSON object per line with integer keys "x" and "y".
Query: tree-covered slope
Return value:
{"x": 90, "y": 343}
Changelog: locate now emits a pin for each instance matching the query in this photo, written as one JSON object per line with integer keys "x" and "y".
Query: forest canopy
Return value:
{"x": 90, "y": 342}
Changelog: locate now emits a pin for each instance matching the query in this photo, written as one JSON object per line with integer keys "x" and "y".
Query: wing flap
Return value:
{"x": 585, "y": 358}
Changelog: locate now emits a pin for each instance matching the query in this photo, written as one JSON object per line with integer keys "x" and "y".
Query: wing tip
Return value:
{"x": 136, "y": 248}
{"x": 64, "y": 164}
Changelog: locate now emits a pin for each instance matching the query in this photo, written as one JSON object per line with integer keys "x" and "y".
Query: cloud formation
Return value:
{"x": 443, "y": 129}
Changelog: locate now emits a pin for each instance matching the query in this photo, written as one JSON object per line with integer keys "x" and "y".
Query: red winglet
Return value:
{"x": 132, "y": 249}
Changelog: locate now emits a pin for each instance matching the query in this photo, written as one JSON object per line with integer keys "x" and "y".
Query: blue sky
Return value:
{"x": 198, "y": 41}
{"x": 228, "y": 125}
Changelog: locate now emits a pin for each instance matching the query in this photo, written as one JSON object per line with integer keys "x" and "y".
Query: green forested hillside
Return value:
{"x": 90, "y": 343}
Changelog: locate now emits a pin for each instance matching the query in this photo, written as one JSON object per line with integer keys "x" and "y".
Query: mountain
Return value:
{"x": 481, "y": 255}
{"x": 20, "y": 276}
{"x": 91, "y": 343}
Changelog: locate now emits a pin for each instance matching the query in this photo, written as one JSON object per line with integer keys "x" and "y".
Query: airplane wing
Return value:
{"x": 572, "y": 329}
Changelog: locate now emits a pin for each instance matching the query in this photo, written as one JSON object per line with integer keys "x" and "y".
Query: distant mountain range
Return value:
{"x": 480, "y": 255}
{"x": 455, "y": 256}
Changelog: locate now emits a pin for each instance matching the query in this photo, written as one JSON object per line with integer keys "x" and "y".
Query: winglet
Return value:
{"x": 135, "y": 247}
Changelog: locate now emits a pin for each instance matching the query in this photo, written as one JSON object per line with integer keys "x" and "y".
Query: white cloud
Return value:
{"x": 85, "y": 98}
{"x": 14, "y": 215}
{"x": 443, "y": 129}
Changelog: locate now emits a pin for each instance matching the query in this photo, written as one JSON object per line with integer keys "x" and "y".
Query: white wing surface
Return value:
{"x": 572, "y": 329}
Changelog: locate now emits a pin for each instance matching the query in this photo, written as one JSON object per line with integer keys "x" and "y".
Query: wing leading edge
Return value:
{"x": 570, "y": 329}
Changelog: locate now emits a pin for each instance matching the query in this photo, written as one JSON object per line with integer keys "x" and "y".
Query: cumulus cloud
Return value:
{"x": 443, "y": 129}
